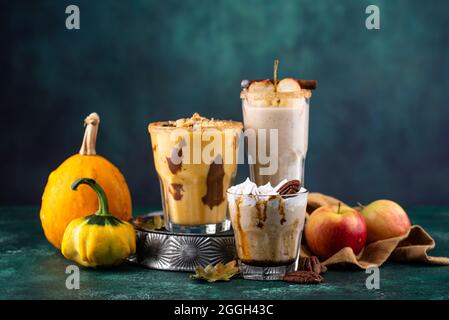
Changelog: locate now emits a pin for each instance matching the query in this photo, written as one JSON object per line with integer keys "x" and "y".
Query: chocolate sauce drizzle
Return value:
{"x": 176, "y": 191}
{"x": 175, "y": 167}
{"x": 214, "y": 195}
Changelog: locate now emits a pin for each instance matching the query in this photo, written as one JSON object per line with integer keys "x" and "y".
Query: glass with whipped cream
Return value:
{"x": 276, "y": 121}
{"x": 268, "y": 223}
{"x": 196, "y": 161}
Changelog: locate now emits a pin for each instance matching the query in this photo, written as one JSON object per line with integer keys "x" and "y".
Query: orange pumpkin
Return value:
{"x": 60, "y": 205}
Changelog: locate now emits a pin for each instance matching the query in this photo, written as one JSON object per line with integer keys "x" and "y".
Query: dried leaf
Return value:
{"x": 150, "y": 223}
{"x": 219, "y": 272}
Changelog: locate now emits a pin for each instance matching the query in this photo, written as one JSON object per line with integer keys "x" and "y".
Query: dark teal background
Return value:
{"x": 379, "y": 119}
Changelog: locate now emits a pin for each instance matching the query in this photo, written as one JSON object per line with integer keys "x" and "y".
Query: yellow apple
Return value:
{"x": 385, "y": 219}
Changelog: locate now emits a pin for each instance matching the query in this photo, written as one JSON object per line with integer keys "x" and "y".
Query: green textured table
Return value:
{"x": 30, "y": 268}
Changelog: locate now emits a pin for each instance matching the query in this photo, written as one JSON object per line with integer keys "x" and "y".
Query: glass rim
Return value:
{"x": 304, "y": 93}
{"x": 270, "y": 194}
{"x": 221, "y": 126}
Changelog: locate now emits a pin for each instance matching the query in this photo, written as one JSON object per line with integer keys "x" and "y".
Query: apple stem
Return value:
{"x": 361, "y": 205}
{"x": 339, "y": 207}
{"x": 275, "y": 73}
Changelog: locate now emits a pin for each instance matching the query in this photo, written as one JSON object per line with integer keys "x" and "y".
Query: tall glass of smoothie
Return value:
{"x": 276, "y": 119}
{"x": 196, "y": 161}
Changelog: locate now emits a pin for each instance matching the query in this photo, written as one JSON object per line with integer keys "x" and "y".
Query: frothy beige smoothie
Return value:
{"x": 276, "y": 120}
{"x": 292, "y": 125}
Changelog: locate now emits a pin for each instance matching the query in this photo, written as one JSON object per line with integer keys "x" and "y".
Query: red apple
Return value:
{"x": 332, "y": 228}
{"x": 385, "y": 219}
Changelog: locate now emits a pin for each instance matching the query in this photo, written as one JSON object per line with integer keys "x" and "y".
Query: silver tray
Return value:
{"x": 165, "y": 250}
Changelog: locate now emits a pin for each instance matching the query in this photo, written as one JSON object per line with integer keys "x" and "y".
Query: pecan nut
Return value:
{"x": 303, "y": 277}
{"x": 290, "y": 187}
{"x": 311, "y": 264}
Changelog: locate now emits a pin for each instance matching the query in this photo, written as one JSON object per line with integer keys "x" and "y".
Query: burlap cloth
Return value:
{"x": 409, "y": 248}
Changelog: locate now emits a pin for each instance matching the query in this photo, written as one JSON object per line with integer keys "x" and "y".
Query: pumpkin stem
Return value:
{"x": 90, "y": 135}
{"x": 103, "y": 209}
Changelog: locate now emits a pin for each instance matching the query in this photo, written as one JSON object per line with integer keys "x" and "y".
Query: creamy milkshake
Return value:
{"x": 196, "y": 160}
{"x": 283, "y": 106}
{"x": 268, "y": 223}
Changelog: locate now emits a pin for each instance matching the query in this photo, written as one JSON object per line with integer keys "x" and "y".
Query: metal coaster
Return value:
{"x": 166, "y": 250}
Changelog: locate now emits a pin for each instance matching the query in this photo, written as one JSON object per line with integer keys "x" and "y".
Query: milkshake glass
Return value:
{"x": 276, "y": 120}
{"x": 196, "y": 161}
{"x": 267, "y": 230}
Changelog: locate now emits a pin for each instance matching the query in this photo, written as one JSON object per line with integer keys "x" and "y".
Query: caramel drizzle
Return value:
{"x": 282, "y": 211}
{"x": 242, "y": 239}
{"x": 261, "y": 213}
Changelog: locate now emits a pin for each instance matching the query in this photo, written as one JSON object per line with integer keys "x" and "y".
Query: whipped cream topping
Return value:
{"x": 250, "y": 188}
{"x": 264, "y": 202}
